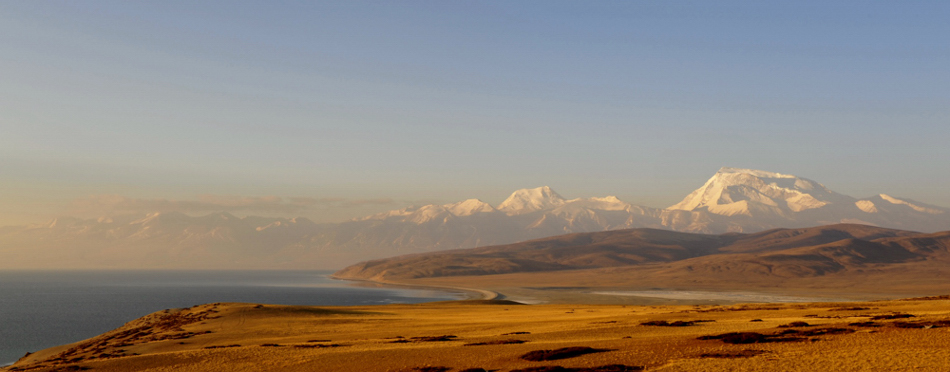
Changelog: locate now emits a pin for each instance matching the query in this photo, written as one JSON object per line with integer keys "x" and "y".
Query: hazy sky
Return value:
{"x": 338, "y": 109}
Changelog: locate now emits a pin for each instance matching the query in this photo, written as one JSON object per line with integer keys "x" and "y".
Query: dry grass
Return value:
{"x": 232, "y": 338}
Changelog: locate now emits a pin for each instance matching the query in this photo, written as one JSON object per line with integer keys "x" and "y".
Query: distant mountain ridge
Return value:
{"x": 733, "y": 200}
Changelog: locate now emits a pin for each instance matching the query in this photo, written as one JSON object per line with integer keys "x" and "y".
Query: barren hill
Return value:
{"x": 645, "y": 257}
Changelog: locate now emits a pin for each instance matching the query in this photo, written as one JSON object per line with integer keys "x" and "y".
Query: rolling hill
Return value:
{"x": 641, "y": 258}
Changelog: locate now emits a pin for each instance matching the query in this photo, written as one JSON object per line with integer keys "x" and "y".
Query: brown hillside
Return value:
{"x": 779, "y": 239}
{"x": 573, "y": 251}
{"x": 781, "y": 253}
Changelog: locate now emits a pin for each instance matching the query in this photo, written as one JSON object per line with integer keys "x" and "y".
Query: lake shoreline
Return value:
{"x": 472, "y": 293}
{"x": 42, "y": 308}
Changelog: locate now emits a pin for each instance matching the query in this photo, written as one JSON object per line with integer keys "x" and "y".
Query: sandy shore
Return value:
{"x": 500, "y": 336}
{"x": 472, "y": 293}
{"x": 628, "y": 287}
{"x": 599, "y": 295}
{"x": 617, "y": 296}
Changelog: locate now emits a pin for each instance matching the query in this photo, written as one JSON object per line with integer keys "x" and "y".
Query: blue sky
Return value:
{"x": 370, "y": 106}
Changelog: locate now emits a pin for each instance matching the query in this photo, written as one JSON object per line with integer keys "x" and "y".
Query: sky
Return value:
{"x": 335, "y": 110}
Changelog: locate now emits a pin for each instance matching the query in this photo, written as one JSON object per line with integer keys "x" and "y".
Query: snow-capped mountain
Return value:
{"x": 749, "y": 200}
{"x": 870, "y": 205}
{"x": 749, "y": 192}
{"x": 469, "y": 207}
{"x": 432, "y": 212}
{"x": 733, "y": 200}
{"x": 531, "y": 200}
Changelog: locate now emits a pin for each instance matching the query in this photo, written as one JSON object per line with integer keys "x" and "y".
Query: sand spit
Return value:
{"x": 471, "y": 293}
{"x": 497, "y": 335}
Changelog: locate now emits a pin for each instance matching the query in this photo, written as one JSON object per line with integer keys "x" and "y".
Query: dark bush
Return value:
{"x": 922, "y": 324}
{"x": 738, "y": 338}
{"x": 221, "y": 346}
{"x": 562, "y": 353}
{"x": 663, "y": 323}
{"x": 497, "y": 342}
{"x": 544, "y": 369}
{"x": 825, "y": 331}
{"x": 432, "y": 369}
{"x": 891, "y": 316}
{"x": 734, "y": 354}
{"x": 435, "y": 338}
{"x": 607, "y": 368}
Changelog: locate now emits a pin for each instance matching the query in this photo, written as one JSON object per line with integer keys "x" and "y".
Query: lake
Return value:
{"x": 41, "y": 309}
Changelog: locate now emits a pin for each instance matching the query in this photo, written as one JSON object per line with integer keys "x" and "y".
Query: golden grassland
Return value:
{"x": 495, "y": 335}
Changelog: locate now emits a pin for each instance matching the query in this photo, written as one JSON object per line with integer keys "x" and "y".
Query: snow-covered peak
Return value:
{"x": 530, "y": 200}
{"x": 393, "y": 213}
{"x": 735, "y": 191}
{"x": 753, "y": 172}
{"x": 418, "y": 215}
{"x": 607, "y": 203}
{"x": 786, "y": 181}
{"x": 607, "y": 199}
{"x": 913, "y": 205}
{"x": 866, "y": 205}
{"x": 427, "y": 213}
{"x": 469, "y": 207}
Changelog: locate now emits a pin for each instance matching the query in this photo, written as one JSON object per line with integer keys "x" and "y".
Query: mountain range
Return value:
{"x": 733, "y": 200}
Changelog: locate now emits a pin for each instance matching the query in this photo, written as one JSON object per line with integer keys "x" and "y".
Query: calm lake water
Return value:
{"x": 41, "y": 309}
